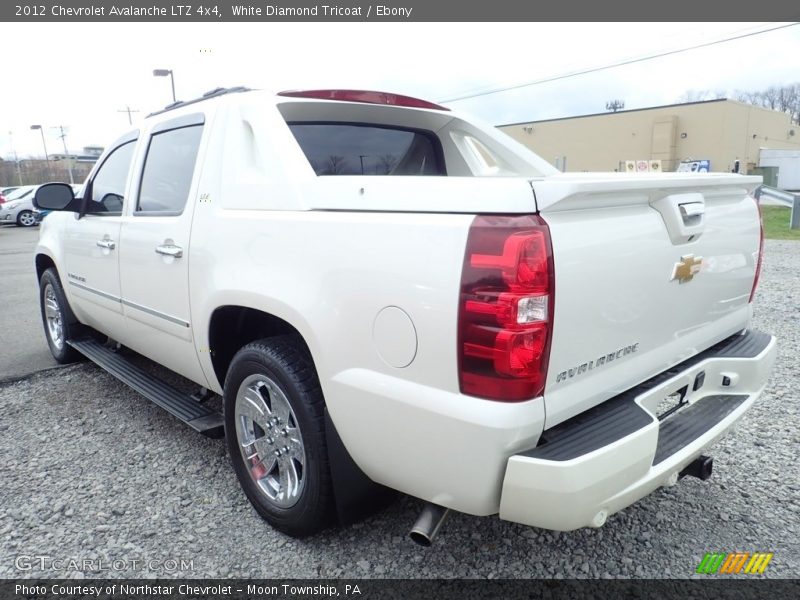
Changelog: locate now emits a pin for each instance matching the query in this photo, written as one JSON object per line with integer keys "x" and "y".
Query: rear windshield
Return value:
{"x": 358, "y": 149}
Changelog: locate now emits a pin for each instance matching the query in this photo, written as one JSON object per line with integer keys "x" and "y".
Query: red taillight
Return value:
{"x": 506, "y": 308}
{"x": 760, "y": 251}
{"x": 365, "y": 96}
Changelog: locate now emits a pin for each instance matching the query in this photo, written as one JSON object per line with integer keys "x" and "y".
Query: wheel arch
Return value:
{"x": 233, "y": 326}
{"x": 43, "y": 262}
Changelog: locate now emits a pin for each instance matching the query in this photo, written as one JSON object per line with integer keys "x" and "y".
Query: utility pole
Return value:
{"x": 16, "y": 158}
{"x": 46, "y": 155}
{"x": 19, "y": 172}
{"x": 128, "y": 110}
{"x": 63, "y": 137}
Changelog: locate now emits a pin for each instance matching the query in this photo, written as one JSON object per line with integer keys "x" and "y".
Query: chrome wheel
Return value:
{"x": 26, "y": 218}
{"x": 52, "y": 313}
{"x": 269, "y": 440}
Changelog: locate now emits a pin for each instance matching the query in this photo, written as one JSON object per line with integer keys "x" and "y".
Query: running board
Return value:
{"x": 197, "y": 416}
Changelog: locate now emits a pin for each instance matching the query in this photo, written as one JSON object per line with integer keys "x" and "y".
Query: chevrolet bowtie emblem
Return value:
{"x": 686, "y": 269}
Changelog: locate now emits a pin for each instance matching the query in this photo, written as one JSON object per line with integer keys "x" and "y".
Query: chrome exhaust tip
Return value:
{"x": 428, "y": 524}
{"x": 701, "y": 467}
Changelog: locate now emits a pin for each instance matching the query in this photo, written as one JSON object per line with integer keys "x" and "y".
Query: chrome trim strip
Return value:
{"x": 156, "y": 313}
{"x": 149, "y": 311}
{"x": 94, "y": 291}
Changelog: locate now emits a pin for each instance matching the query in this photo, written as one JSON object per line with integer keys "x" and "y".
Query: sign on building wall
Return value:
{"x": 643, "y": 166}
{"x": 694, "y": 166}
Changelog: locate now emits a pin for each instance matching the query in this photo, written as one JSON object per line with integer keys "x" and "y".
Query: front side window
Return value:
{"x": 168, "y": 170}
{"x": 108, "y": 185}
{"x": 359, "y": 149}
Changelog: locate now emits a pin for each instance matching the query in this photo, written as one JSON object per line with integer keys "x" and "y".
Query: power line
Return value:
{"x": 128, "y": 110}
{"x": 621, "y": 63}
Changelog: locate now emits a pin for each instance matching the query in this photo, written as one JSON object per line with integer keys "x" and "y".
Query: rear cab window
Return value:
{"x": 365, "y": 149}
{"x": 348, "y": 138}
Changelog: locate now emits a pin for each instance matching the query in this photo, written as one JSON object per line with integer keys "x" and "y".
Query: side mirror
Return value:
{"x": 56, "y": 196}
{"x": 112, "y": 203}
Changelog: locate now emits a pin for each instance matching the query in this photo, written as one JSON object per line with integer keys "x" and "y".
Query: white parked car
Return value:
{"x": 388, "y": 294}
{"x": 7, "y": 190}
{"x": 18, "y": 207}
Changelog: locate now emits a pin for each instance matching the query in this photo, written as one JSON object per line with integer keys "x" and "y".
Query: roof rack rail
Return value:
{"x": 220, "y": 91}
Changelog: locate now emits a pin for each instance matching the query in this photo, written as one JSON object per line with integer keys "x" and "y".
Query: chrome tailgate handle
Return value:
{"x": 692, "y": 212}
{"x": 683, "y": 215}
{"x": 170, "y": 250}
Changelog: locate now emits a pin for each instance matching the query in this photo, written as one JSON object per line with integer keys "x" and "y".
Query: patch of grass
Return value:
{"x": 776, "y": 223}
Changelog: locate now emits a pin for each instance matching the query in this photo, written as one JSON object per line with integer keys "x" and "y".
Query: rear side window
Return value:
{"x": 168, "y": 170}
{"x": 358, "y": 149}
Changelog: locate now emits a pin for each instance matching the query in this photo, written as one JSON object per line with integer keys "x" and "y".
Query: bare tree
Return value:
{"x": 32, "y": 171}
{"x": 693, "y": 96}
{"x": 615, "y": 105}
{"x": 785, "y": 98}
{"x": 387, "y": 163}
{"x": 336, "y": 164}
{"x": 746, "y": 97}
{"x": 702, "y": 95}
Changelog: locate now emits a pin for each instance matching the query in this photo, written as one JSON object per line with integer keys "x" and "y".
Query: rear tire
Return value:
{"x": 60, "y": 324}
{"x": 275, "y": 431}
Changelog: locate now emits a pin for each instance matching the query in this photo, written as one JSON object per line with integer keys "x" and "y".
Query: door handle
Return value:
{"x": 106, "y": 243}
{"x": 170, "y": 250}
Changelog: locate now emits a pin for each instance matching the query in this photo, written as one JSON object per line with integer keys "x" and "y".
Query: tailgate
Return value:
{"x": 649, "y": 271}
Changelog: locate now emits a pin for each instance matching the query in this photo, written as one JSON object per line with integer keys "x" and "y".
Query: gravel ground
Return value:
{"x": 91, "y": 470}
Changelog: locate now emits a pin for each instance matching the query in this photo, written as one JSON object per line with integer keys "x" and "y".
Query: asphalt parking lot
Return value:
{"x": 22, "y": 350}
{"x": 92, "y": 471}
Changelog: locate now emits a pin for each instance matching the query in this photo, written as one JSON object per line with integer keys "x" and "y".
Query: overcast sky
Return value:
{"x": 81, "y": 75}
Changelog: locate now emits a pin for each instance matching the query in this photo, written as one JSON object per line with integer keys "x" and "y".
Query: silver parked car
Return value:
{"x": 18, "y": 207}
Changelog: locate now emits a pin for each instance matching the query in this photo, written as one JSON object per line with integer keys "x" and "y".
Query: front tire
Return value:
{"x": 275, "y": 431}
{"x": 26, "y": 218}
{"x": 60, "y": 325}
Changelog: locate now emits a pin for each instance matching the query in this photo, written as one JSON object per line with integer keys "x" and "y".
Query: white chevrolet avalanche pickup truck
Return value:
{"x": 390, "y": 296}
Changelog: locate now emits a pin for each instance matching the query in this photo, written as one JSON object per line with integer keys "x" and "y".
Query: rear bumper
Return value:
{"x": 614, "y": 454}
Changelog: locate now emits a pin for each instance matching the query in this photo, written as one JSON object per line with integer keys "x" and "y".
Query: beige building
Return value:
{"x": 721, "y": 131}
